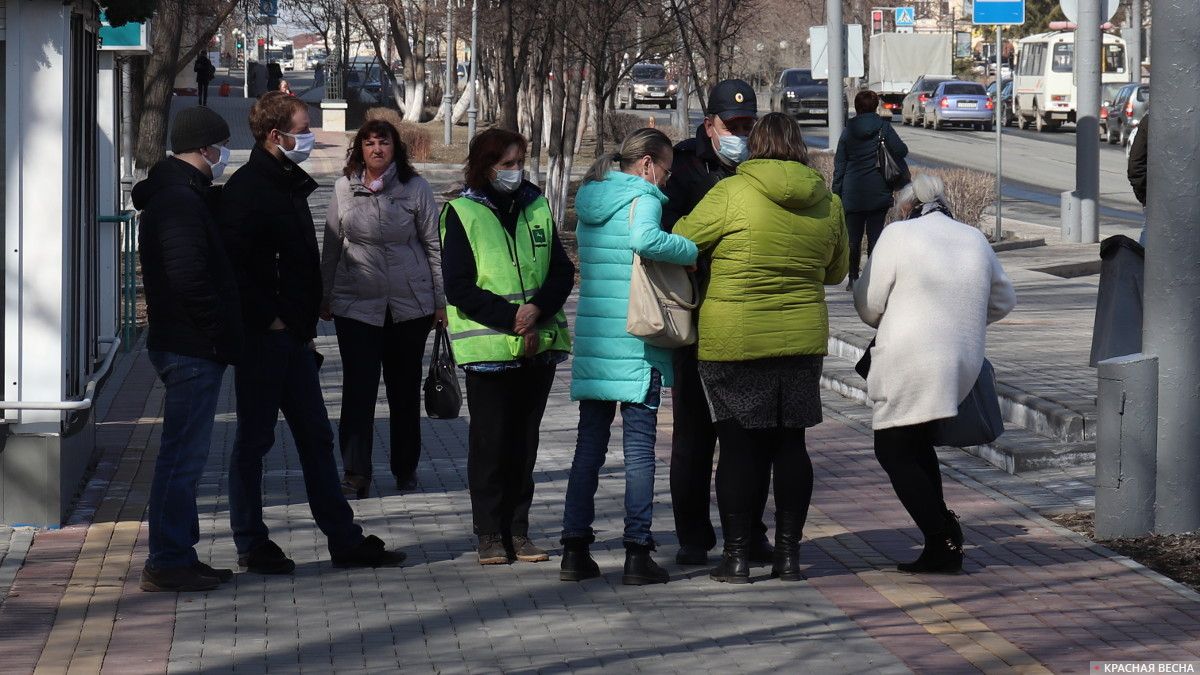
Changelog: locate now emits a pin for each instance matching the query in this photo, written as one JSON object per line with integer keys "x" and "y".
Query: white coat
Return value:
{"x": 931, "y": 287}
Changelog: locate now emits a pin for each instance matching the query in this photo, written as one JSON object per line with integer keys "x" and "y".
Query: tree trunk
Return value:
{"x": 158, "y": 83}
{"x": 414, "y": 71}
{"x": 206, "y": 35}
{"x": 537, "y": 96}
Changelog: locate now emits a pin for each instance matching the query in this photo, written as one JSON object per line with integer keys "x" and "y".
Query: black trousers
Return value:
{"x": 693, "y": 442}
{"x": 858, "y": 222}
{"x": 202, "y": 91}
{"x": 398, "y": 349}
{"x": 506, "y": 415}
{"x": 747, "y": 459}
{"x": 908, "y": 457}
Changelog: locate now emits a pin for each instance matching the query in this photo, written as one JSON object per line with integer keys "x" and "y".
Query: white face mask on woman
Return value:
{"x": 508, "y": 180}
{"x": 304, "y": 146}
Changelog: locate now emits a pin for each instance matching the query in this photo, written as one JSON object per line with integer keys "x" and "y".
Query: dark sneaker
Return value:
{"x": 176, "y": 580}
{"x": 370, "y": 552}
{"x": 221, "y": 574}
{"x": 266, "y": 558}
{"x": 526, "y": 551}
{"x": 691, "y": 555}
{"x": 491, "y": 550}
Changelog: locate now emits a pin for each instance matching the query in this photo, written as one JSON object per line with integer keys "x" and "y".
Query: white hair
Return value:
{"x": 924, "y": 188}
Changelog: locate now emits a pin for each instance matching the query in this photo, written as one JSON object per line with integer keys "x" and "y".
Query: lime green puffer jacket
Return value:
{"x": 776, "y": 237}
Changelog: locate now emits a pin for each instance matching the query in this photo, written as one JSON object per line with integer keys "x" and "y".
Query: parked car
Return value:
{"x": 1005, "y": 102}
{"x": 646, "y": 83}
{"x": 912, "y": 110}
{"x": 1124, "y": 112}
{"x": 798, "y": 94}
{"x": 959, "y": 102}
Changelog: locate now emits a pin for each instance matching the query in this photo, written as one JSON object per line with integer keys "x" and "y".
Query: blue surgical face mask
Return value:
{"x": 733, "y": 148}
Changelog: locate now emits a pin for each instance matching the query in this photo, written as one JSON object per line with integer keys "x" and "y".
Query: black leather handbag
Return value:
{"x": 443, "y": 398}
{"x": 893, "y": 174}
{"x": 979, "y": 420}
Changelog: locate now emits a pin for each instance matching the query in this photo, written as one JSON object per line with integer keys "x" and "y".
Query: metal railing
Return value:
{"x": 128, "y": 225}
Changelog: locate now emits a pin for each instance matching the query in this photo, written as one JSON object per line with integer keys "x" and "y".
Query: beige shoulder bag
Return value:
{"x": 662, "y": 297}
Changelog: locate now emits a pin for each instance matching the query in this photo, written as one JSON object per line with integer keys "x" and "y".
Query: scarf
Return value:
{"x": 935, "y": 206}
{"x": 377, "y": 184}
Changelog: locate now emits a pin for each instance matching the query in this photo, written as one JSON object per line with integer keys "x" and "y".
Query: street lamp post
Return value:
{"x": 837, "y": 71}
{"x": 448, "y": 96}
{"x": 471, "y": 112}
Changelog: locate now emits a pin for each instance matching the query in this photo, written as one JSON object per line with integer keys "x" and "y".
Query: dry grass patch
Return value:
{"x": 1173, "y": 555}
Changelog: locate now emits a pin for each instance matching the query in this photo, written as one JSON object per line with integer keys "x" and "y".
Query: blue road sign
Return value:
{"x": 998, "y": 12}
{"x": 906, "y": 17}
{"x": 268, "y": 7}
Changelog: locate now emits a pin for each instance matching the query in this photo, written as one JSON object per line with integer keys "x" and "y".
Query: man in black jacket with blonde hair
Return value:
{"x": 195, "y": 331}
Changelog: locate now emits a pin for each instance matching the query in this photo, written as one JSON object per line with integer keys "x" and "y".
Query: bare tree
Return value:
{"x": 322, "y": 17}
{"x": 607, "y": 31}
{"x": 709, "y": 29}
{"x": 408, "y": 23}
{"x": 166, "y": 62}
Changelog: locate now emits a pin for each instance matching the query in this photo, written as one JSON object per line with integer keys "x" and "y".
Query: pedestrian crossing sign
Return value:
{"x": 906, "y": 17}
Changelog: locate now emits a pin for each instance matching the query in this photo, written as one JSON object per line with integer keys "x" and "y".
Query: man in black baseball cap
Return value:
{"x": 195, "y": 332}
{"x": 699, "y": 164}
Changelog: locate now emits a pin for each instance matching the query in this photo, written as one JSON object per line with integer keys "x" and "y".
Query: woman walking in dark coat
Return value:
{"x": 856, "y": 176}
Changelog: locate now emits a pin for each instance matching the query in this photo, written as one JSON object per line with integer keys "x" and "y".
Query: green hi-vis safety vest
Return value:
{"x": 512, "y": 268}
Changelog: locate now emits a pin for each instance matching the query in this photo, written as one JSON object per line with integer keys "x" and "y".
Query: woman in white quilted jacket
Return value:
{"x": 931, "y": 287}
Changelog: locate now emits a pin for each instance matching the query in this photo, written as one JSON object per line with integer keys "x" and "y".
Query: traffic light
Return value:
{"x": 239, "y": 42}
{"x": 876, "y": 21}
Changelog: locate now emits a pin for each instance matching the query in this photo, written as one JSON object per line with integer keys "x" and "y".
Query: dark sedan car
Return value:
{"x": 798, "y": 94}
{"x": 1124, "y": 113}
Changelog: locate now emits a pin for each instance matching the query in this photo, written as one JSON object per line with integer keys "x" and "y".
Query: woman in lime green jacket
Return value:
{"x": 776, "y": 237}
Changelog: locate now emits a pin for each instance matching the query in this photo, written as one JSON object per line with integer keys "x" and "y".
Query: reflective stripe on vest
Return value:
{"x": 513, "y": 268}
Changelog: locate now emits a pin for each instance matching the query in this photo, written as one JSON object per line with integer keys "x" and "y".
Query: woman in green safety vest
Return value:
{"x": 506, "y": 280}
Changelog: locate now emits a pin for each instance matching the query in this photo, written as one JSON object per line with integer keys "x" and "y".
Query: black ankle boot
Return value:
{"x": 940, "y": 556}
{"x": 577, "y": 563}
{"x": 640, "y": 568}
{"x": 789, "y": 527}
{"x": 735, "y": 559}
{"x": 956, "y": 533}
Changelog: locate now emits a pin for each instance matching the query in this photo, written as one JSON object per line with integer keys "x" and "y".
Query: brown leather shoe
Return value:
{"x": 526, "y": 551}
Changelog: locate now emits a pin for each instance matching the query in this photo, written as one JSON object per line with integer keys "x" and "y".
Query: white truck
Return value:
{"x": 898, "y": 60}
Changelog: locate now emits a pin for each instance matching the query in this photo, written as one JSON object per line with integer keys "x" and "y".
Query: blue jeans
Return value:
{"x": 193, "y": 385}
{"x": 639, "y": 423}
{"x": 278, "y": 373}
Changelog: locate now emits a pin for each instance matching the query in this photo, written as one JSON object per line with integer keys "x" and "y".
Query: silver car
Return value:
{"x": 912, "y": 110}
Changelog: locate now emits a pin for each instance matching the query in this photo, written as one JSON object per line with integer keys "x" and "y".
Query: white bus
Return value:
{"x": 1044, "y": 93}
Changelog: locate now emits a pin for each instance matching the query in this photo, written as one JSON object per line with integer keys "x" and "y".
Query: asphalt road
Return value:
{"x": 1037, "y": 167}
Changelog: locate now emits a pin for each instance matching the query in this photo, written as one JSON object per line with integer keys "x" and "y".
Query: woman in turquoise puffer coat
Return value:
{"x": 619, "y": 215}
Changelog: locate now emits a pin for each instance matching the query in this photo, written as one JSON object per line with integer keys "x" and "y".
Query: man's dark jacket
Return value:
{"x": 191, "y": 292}
{"x": 694, "y": 171}
{"x": 272, "y": 242}
{"x": 1137, "y": 160}
{"x": 856, "y": 176}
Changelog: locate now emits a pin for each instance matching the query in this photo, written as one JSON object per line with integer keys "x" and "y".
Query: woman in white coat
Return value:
{"x": 931, "y": 287}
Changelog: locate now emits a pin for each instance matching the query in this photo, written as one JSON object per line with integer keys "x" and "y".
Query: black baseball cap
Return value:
{"x": 732, "y": 98}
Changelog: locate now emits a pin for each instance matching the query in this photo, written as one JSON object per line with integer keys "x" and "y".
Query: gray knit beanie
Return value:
{"x": 197, "y": 127}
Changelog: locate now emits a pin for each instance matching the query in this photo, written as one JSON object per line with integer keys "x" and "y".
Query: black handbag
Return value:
{"x": 978, "y": 421}
{"x": 893, "y": 174}
{"x": 443, "y": 398}
{"x": 863, "y": 367}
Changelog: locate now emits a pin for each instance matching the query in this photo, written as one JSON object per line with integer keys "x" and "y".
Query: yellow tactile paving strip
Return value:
{"x": 938, "y": 615}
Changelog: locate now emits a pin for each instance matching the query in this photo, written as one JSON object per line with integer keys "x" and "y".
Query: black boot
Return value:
{"x": 577, "y": 563}
{"x": 735, "y": 559}
{"x": 640, "y": 568}
{"x": 761, "y": 550}
{"x": 956, "y": 533}
{"x": 940, "y": 556}
{"x": 789, "y": 527}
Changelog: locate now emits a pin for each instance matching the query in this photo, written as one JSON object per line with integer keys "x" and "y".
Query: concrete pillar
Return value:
{"x": 1087, "y": 125}
{"x": 1171, "y": 330}
{"x": 836, "y": 53}
{"x": 1125, "y": 444}
{"x": 1134, "y": 41}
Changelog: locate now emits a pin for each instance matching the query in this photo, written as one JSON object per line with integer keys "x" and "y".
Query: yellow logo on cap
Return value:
{"x": 738, "y": 97}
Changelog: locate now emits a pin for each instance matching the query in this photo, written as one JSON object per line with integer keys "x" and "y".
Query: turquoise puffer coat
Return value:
{"x": 609, "y": 363}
